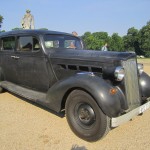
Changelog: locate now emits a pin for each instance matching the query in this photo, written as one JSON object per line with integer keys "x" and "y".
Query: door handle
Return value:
{"x": 12, "y": 56}
{"x": 15, "y": 57}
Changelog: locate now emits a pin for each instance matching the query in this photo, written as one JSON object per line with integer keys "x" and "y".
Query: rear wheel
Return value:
{"x": 1, "y": 79}
{"x": 85, "y": 117}
{"x": 1, "y": 90}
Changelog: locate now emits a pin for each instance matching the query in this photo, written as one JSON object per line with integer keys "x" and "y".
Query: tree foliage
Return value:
{"x": 131, "y": 41}
{"x": 43, "y": 29}
{"x": 135, "y": 40}
{"x": 144, "y": 39}
{"x": 116, "y": 42}
{"x": 17, "y": 28}
{"x": 1, "y": 20}
{"x": 95, "y": 40}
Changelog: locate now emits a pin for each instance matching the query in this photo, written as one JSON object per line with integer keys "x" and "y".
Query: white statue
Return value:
{"x": 27, "y": 21}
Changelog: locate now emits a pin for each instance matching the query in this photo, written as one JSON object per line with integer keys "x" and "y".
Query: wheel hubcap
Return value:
{"x": 86, "y": 114}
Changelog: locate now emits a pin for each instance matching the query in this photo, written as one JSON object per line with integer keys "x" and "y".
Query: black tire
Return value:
{"x": 1, "y": 79}
{"x": 1, "y": 90}
{"x": 84, "y": 116}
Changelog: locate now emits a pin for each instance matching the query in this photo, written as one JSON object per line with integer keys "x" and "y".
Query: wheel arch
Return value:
{"x": 98, "y": 89}
{"x": 70, "y": 91}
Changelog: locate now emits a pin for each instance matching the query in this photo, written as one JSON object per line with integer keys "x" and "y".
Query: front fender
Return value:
{"x": 145, "y": 85}
{"x": 96, "y": 86}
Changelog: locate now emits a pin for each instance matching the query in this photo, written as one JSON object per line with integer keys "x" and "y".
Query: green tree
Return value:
{"x": 17, "y": 28}
{"x": 144, "y": 39}
{"x": 131, "y": 41}
{"x": 95, "y": 40}
{"x": 43, "y": 29}
{"x": 101, "y": 38}
{"x": 87, "y": 40}
{"x": 116, "y": 43}
{"x": 1, "y": 20}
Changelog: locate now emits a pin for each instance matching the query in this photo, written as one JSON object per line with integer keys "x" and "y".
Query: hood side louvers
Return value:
{"x": 81, "y": 68}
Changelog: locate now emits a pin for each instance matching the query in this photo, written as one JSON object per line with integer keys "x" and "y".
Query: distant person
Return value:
{"x": 75, "y": 33}
{"x": 104, "y": 48}
{"x": 71, "y": 45}
{"x": 27, "y": 21}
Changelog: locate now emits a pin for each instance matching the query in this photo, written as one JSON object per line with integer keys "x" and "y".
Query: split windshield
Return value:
{"x": 62, "y": 42}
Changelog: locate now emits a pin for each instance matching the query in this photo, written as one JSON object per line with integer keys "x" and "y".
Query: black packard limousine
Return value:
{"x": 98, "y": 90}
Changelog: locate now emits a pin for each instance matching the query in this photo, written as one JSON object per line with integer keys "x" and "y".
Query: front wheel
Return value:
{"x": 84, "y": 116}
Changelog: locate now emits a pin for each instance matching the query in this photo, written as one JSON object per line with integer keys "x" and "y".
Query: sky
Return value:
{"x": 111, "y": 16}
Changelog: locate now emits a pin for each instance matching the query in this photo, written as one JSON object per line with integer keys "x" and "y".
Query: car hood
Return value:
{"x": 68, "y": 62}
{"x": 91, "y": 55}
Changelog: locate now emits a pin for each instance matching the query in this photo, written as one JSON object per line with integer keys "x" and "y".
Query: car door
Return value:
{"x": 32, "y": 63}
{"x": 8, "y": 63}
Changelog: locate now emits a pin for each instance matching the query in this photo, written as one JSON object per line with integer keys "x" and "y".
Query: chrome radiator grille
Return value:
{"x": 131, "y": 83}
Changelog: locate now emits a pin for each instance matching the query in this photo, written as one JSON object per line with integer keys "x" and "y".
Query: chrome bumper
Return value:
{"x": 126, "y": 117}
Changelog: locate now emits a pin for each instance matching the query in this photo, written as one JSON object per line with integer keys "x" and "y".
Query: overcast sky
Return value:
{"x": 112, "y": 16}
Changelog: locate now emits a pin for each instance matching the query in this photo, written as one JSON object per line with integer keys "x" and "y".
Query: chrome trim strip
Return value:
{"x": 87, "y": 73}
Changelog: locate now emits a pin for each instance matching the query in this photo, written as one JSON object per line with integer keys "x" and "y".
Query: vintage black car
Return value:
{"x": 98, "y": 90}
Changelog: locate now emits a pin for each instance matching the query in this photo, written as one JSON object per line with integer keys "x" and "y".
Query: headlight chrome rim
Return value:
{"x": 119, "y": 73}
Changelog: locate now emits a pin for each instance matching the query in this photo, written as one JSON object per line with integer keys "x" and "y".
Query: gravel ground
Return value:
{"x": 26, "y": 126}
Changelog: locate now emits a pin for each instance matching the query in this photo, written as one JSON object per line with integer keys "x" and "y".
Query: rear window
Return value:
{"x": 62, "y": 42}
{"x": 8, "y": 43}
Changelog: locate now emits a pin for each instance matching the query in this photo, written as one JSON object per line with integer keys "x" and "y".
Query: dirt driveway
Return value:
{"x": 25, "y": 126}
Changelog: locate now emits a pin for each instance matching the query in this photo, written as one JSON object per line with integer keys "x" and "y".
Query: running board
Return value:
{"x": 23, "y": 92}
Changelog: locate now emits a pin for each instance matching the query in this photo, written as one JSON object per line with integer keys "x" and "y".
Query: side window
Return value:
{"x": 62, "y": 42}
{"x": 25, "y": 43}
{"x": 28, "y": 43}
{"x": 69, "y": 44}
{"x": 8, "y": 43}
{"x": 52, "y": 44}
{"x": 73, "y": 44}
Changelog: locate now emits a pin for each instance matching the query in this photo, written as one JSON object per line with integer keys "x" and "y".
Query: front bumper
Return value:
{"x": 126, "y": 117}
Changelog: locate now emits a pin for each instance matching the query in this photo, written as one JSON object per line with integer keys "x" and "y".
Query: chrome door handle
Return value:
{"x": 15, "y": 57}
{"x": 12, "y": 56}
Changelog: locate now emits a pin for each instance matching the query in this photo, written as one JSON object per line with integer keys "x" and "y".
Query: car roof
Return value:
{"x": 38, "y": 32}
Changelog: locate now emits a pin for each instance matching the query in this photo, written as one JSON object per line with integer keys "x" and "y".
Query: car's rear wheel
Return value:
{"x": 85, "y": 117}
{"x": 1, "y": 90}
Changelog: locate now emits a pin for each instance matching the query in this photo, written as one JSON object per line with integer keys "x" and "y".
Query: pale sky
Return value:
{"x": 112, "y": 16}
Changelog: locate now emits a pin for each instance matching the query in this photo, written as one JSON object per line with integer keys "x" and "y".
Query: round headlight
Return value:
{"x": 119, "y": 73}
{"x": 140, "y": 68}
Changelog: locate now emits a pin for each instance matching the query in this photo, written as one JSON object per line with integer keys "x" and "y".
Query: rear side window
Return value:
{"x": 62, "y": 42}
{"x": 8, "y": 43}
{"x": 28, "y": 43}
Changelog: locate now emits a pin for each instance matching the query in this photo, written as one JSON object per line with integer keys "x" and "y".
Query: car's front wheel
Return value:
{"x": 85, "y": 117}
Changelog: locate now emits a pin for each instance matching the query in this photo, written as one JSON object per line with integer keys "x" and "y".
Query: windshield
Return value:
{"x": 62, "y": 42}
